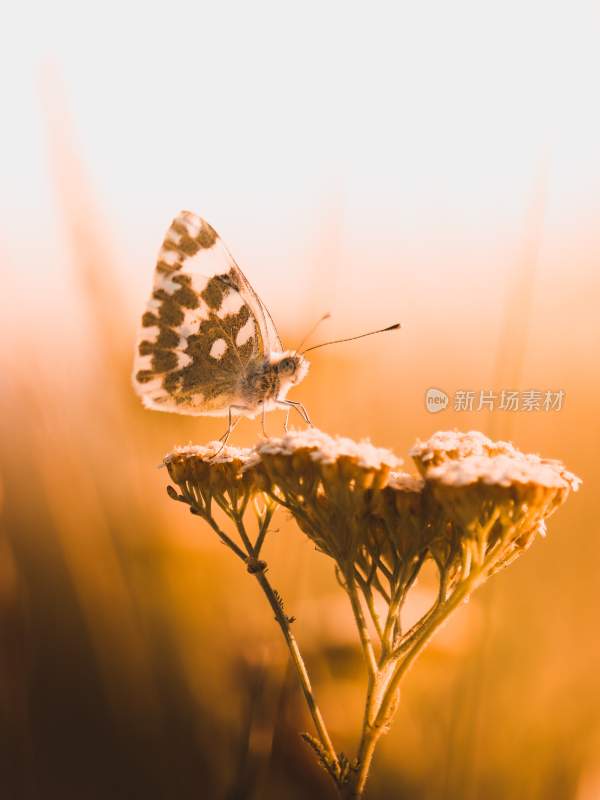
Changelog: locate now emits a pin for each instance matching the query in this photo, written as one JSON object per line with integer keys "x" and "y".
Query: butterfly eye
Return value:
{"x": 287, "y": 366}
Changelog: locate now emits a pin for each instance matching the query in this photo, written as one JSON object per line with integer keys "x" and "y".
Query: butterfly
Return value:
{"x": 207, "y": 343}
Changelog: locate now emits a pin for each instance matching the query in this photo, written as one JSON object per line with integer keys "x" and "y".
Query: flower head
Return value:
{"x": 397, "y": 531}
{"x": 204, "y": 472}
{"x": 328, "y": 483}
{"x": 455, "y": 445}
{"x": 477, "y": 502}
{"x": 502, "y": 497}
{"x": 326, "y": 449}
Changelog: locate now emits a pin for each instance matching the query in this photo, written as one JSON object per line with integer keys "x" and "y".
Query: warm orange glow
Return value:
{"x": 433, "y": 164}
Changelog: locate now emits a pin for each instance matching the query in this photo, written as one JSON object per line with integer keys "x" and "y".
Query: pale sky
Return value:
{"x": 338, "y": 144}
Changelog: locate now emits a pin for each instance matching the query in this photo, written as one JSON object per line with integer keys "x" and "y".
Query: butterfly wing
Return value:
{"x": 203, "y": 325}
{"x": 275, "y": 344}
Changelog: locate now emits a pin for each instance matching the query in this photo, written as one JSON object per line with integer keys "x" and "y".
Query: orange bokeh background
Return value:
{"x": 437, "y": 166}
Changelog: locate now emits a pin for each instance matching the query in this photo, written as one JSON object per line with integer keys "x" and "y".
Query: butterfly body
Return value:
{"x": 207, "y": 344}
{"x": 268, "y": 382}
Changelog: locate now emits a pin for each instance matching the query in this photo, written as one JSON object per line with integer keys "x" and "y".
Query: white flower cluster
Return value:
{"x": 501, "y": 470}
{"x": 224, "y": 455}
{"x": 328, "y": 449}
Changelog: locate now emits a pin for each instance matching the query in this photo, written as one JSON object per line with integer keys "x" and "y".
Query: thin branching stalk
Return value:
{"x": 225, "y": 539}
{"x": 284, "y": 623}
{"x": 365, "y": 588}
{"x": 301, "y": 670}
{"x": 362, "y": 627}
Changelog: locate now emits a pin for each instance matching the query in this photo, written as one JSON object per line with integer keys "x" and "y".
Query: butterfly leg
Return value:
{"x": 289, "y": 404}
{"x": 262, "y": 422}
{"x": 232, "y": 425}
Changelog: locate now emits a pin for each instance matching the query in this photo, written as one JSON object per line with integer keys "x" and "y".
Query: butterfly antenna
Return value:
{"x": 313, "y": 329}
{"x": 394, "y": 327}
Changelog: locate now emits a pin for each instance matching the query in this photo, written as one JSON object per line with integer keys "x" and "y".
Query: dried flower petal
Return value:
{"x": 501, "y": 498}
{"x": 502, "y": 470}
{"x": 328, "y": 483}
{"x": 454, "y": 445}
{"x": 328, "y": 449}
{"x": 405, "y": 482}
{"x": 398, "y": 524}
{"x": 224, "y": 455}
{"x": 477, "y": 505}
{"x": 206, "y": 471}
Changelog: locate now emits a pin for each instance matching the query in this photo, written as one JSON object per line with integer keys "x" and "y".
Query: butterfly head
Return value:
{"x": 291, "y": 367}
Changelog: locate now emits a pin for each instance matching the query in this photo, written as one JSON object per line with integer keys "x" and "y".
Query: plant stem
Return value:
{"x": 300, "y": 666}
{"x": 424, "y": 635}
{"x": 382, "y": 694}
{"x": 284, "y": 624}
{"x": 264, "y": 527}
{"x": 368, "y": 595}
{"x": 372, "y": 730}
{"x": 355, "y": 788}
{"x": 361, "y": 624}
{"x": 224, "y": 538}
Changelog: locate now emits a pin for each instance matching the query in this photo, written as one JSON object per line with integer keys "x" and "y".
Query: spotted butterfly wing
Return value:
{"x": 202, "y": 327}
